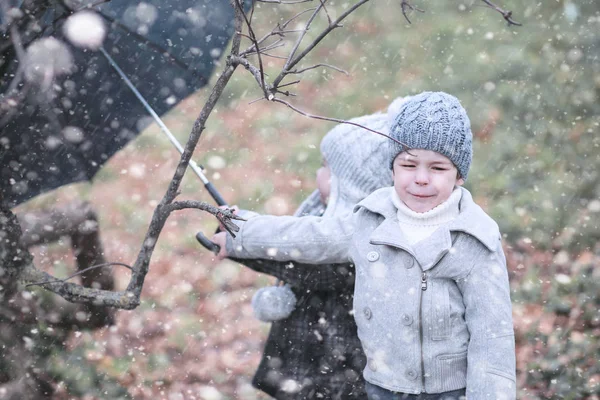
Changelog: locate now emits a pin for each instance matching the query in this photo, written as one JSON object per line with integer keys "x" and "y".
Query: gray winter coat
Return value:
{"x": 432, "y": 317}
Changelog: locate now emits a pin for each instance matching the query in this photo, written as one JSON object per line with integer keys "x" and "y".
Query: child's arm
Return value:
{"x": 310, "y": 240}
{"x": 330, "y": 278}
{"x": 333, "y": 277}
{"x": 491, "y": 352}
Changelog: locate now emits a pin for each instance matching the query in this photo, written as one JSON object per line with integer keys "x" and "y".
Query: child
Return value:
{"x": 432, "y": 298}
{"x": 314, "y": 352}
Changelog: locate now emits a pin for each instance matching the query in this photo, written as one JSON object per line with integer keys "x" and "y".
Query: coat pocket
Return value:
{"x": 451, "y": 370}
{"x": 501, "y": 356}
{"x": 441, "y": 326}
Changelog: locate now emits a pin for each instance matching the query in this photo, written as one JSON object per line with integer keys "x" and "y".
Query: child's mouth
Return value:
{"x": 422, "y": 196}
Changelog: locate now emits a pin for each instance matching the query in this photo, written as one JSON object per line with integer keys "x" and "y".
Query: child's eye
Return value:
{"x": 407, "y": 165}
{"x": 438, "y": 168}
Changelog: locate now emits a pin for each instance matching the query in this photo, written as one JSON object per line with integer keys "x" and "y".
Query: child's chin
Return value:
{"x": 421, "y": 207}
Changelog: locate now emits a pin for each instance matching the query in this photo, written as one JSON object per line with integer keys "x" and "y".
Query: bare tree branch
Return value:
{"x": 301, "y": 37}
{"x": 79, "y": 294}
{"x": 279, "y": 30}
{"x": 506, "y": 14}
{"x": 141, "y": 266}
{"x": 311, "y": 46}
{"x": 249, "y": 67}
{"x": 240, "y": 9}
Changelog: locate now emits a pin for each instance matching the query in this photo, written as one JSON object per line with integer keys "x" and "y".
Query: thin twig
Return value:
{"x": 94, "y": 4}
{"x": 273, "y": 55}
{"x": 251, "y": 13}
{"x": 79, "y": 273}
{"x": 249, "y": 67}
{"x": 301, "y": 37}
{"x": 224, "y": 216}
{"x": 256, "y": 45}
{"x": 506, "y": 14}
{"x": 257, "y": 100}
{"x": 406, "y": 5}
{"x": 311, "y": 46}
{"x": 260, "y": 41}
{"x": 276, "y": 44}
{"x": 15, "y": 37}
{"x": 289, "y": 21}
{"x": 286, "y": 93}
{"x": 283, "y": 1}
{"x": 290, "y": 83}
{"x": 244, "y": 35}
{"x": 326, "y": 12}
{"x": 278, "y": 30}
{"x": 340, "y": 121}
{"x": 299, "y": 71}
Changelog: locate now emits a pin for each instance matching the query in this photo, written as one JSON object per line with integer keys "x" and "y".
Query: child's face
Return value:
{"x": 324, "y": 181}
{"x": 424, "y": 179}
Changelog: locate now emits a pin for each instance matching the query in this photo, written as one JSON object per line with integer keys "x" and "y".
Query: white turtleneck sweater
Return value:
{"x": 418, "y": 226}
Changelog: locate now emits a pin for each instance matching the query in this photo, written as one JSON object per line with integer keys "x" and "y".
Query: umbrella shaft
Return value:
{"x": 161, "y": 124}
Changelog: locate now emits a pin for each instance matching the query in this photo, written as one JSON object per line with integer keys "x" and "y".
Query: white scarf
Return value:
{"x": 419, "y": 226}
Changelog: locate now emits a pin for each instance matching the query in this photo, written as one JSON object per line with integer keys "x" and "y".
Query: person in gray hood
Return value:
{"x": 313, "y": 351}
{"x": 432, "y": 298}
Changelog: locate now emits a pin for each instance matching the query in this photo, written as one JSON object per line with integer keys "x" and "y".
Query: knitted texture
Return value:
{"x": 273, "y": 303}
{"x": 434, "y": 121}
{"x": 356, "y": 157}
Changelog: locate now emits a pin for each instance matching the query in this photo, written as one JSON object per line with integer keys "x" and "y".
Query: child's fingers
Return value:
{"x": 220, "y": 239}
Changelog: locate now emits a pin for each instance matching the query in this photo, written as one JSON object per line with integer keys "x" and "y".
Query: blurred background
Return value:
{"x": 532, "y": 94}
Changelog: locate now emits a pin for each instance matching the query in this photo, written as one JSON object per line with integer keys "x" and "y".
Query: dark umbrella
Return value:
{"x": 64, "y": 132}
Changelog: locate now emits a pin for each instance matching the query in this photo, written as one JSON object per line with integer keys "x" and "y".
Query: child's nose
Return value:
{"x": 421, "y": 176}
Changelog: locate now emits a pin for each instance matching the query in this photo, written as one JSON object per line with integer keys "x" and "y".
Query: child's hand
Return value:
{"x": 220, "y": 239}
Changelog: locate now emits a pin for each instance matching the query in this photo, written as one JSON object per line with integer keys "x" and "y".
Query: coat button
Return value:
{"x": 372, "y": 365}
{"x": 372, "y": 256}
{"x": 410, "y": 263}
{"x": 411, "y": 374}
{"x": 367, "y": 312}
{"x": 407, "y": 319}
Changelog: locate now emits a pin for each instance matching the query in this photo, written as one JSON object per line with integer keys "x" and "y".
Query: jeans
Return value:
{"x": 378, "y": 393}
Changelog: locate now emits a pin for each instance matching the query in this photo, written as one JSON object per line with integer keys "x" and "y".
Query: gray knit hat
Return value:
{"x": 434, "y": 121}
{"x": 356, "y": 157}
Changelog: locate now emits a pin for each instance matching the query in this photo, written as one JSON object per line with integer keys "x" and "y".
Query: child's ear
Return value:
{"x": 460, "y": 182}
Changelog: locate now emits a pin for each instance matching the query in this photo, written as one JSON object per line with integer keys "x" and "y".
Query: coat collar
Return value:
{"x": 472, "y": 220}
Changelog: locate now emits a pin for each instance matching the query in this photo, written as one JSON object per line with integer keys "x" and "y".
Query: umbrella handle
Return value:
{"x": 204, "y": 241}
{"x": 208, "y": 245}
